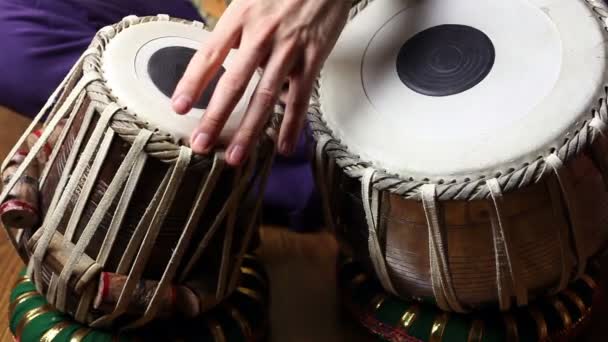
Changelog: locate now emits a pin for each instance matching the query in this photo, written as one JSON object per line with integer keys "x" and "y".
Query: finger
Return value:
{"x": 204, "y": 65}
{"x": 298, "y": 99}
{"x": 261, "y": 104}
{"x": 295, "y": 114}
{"x": 228, "y": 93}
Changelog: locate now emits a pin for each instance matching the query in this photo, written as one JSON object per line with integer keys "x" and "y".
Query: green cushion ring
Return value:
{"x": 243, "y": 317}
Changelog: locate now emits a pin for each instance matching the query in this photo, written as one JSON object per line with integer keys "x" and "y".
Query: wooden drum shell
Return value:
{"x": 205, "y": 272}
{"x": 532, "y": 215}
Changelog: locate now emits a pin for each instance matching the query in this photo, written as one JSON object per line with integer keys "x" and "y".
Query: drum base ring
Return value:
{"x": 560, "y": 317}
{"x": 244, "y": 316}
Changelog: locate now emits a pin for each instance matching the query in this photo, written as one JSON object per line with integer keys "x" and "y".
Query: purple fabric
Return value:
{"x": 42, "y": 39}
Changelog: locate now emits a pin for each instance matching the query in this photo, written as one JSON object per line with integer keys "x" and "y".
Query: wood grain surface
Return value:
{"x": 11, "y": 126}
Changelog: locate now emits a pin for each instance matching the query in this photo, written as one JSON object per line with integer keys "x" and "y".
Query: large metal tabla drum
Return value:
{"x": 461, "y": 146}
{"x": 128, "y": 224}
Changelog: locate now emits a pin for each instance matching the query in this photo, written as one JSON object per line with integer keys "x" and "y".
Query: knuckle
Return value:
{"x": 265, "y": 97}
{"x": 232, "y": 83}
{"x": 212, "y": 122}
{"x": 246, "y": 134}
{"x": 209, "y": 54}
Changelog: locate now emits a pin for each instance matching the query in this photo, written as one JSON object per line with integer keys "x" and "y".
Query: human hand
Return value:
{"x": 290, "y": 40}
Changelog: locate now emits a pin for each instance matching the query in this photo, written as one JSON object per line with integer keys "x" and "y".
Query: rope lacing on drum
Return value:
{"x": 324, "y": 170}
{"x": 55, "y": 214}
{"x": 62, "y": 138}
{"x": 600, "y": 149}
{"x": 441, "y": 277}
{"x": 102, "y": 208}
{"x": 54, "y": 120}
{"x": 152, "y": 230}
{"x": 509, "y": 279}
{"x": 577, "y": 220}
{"x": 371, "y": 207}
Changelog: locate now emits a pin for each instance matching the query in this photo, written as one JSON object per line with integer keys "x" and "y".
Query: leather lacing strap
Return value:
{"x": 89, "y": 184}
{"x": 54, "y": 217}
{"x": 42, "y": 140}
{"x": 102, "y": 209}
{"x": 121, "y": 210}
{"x": 229, "y": 227}
{"x": 72, "y": 157}
{"x": 600, "y": 148}
{"x": 49, "y": 103}
{"x": 202, "y": 199}
{"x": 371, "y": 207}
{"x": 263, "y": 179}
{"x": 140, "y": 230}
{"x": 508, "y": 271}
{"x": 441, "y": 278}
{"x": 64, "y": 134}
{"x": 152, "y": 231}
{"x": 230, "y": 206}
{"x": 576, "y": 221}
{"x": 324, "y": 174}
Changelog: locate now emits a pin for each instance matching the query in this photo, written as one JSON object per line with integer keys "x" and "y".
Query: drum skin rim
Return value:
{"x": 532, "y": 171}
{"x": 127, "y": 124}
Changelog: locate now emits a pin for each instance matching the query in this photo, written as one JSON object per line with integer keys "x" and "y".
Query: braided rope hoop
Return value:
{"x": 162, "y": 145}
{"x": 531, "y": 172}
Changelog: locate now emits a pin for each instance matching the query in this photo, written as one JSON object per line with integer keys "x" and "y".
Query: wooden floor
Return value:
{"x": 11, "y": 126}
{"x": 301, "y": 267}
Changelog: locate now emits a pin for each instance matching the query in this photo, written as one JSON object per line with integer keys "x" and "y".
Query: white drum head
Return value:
{"x": 142, "y": 65}
{"x": 448, "y": 90}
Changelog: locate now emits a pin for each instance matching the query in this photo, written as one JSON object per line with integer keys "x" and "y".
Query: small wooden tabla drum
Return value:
{"x": 461, "y": 148}
{"x": 126, "y": 210}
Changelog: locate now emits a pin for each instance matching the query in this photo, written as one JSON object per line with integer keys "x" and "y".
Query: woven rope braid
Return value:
{"x": 459, "y": 189}
{"x": 126, "y": 124}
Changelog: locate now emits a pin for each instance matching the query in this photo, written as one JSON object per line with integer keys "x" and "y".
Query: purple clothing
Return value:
{"x": 42, "y": 39}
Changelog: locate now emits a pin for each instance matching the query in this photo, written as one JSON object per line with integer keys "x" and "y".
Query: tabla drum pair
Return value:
{"x": 461, "y": 147}
{"x": 119, "y": 222}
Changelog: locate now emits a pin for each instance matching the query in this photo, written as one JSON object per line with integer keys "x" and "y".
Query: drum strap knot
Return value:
{"x": 441, "y": 277}
{"x": 508, "y": 271}
{"x": 371, "y": 207}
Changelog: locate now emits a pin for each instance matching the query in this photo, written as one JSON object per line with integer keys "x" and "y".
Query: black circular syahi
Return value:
{"x": 167, "y": 66}
{"x": 445, "y": 60}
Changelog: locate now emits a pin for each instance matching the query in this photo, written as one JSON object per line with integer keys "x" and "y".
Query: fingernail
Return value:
{"x": 286, "y": 148}
{"x": 182, "y": 104}
{"x": 236, "y": 155}
{"x": 200, "y": 143}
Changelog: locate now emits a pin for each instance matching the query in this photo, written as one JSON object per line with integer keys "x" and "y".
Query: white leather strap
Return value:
{"x": 441, "y": 277}
{"x": 508, "y": 272}
{"x": 324, "y": 175}
{"x": 576, "y": 221}
{"x": 369, "y": 196}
